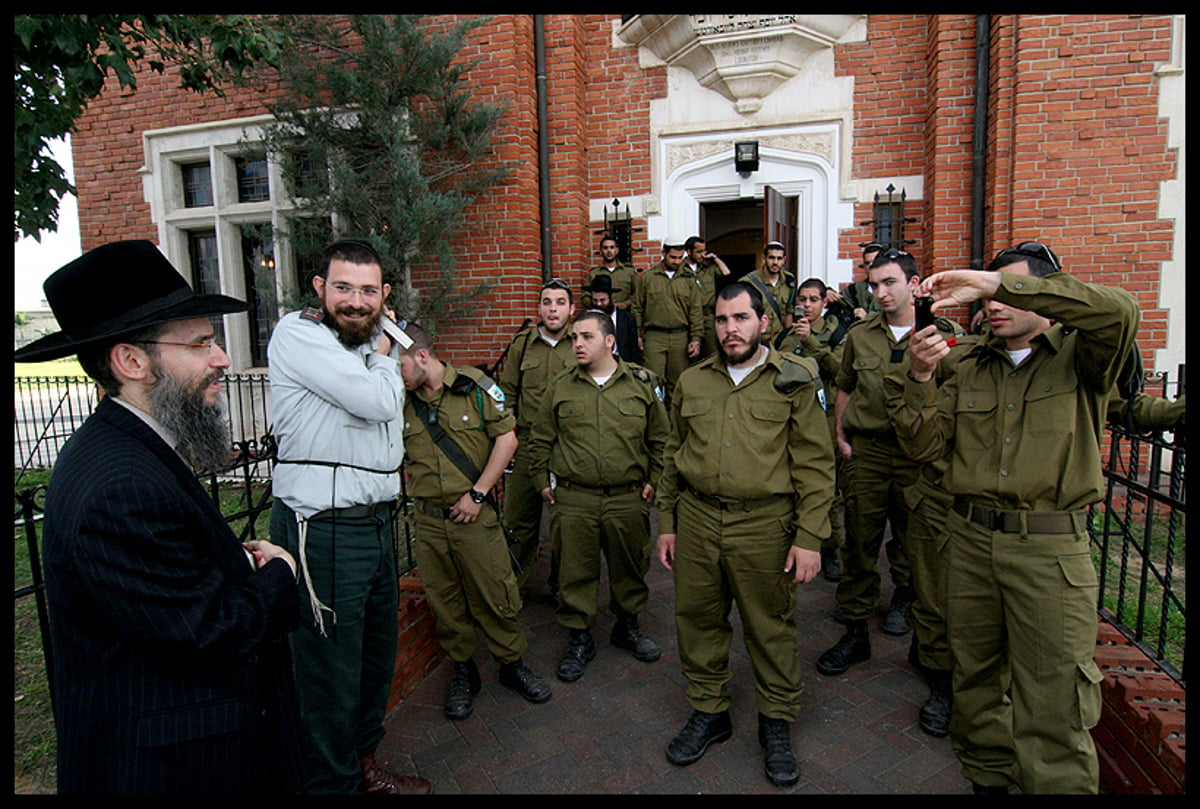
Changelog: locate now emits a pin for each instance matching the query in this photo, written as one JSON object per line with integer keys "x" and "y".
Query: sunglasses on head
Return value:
{"x": 556, "y": 283}
{"x": 1034, "y": 250}
{"x": 891, "y": 254}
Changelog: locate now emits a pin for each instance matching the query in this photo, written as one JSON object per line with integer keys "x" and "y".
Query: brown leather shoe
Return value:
{"x": 378, "y": 781}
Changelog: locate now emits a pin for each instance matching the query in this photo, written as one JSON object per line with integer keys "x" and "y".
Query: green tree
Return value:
{"x": 380, "y": 135}
{"x": 61, "y": 61}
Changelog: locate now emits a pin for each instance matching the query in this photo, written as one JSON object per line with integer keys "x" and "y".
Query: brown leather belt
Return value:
{"x": 729, "y": 504}
{"x": 1023, "y": 522}
{"x": 606, "y": 491}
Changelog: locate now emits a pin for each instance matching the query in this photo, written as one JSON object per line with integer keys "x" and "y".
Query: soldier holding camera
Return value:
{"x": 876, "y": 469}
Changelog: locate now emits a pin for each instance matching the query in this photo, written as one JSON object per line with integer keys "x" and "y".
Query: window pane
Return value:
{"x": 258, "y": 261}
{"x": 206, "y": 272}
{"x": 197, "y": 185}
{"x": 253, "y": 185}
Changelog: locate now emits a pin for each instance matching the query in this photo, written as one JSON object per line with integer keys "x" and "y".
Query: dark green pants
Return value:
{"x": 344, "y": 676}
{"x": 876, "y": 477}
{"x": 523, "y": 513}
{"x": 924, "y": 547}
{"x": 469, "y": 582}
{"x": 585, "y": 526}
{"x": 727, "y": 557}
{"x": 1021, "y": 615}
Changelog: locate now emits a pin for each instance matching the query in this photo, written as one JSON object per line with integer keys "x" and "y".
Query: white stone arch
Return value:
{"x": 703, "y": 171}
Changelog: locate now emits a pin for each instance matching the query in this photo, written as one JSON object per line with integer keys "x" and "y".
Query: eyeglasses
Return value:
{"x": 208, "y": 343}
{"x": 1034, "y": 250}
{"x": 370, "y": 293}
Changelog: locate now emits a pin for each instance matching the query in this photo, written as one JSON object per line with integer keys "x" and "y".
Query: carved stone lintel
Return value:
{"x": 742, "y": 56}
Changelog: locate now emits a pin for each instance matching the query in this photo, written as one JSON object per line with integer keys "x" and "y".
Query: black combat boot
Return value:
{"x": 934, "y": 717}
{"x": 779, "y": 762}
{"x": 520, "y": 678}
{"x": 895, "y": 622}
{"x": 701, "y": 730}
{"x": 464, "y": 685}
{"x": 854, "y": 647}
{"x": 580, "y": 650}
{"x": 626, "y": 635}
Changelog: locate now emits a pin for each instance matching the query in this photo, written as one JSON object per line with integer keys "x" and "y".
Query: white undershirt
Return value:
{"x": 600, "y": 380}
{"x": 899, "y": 331}
{"x": 739, "y": 374}
{"x": 1020, "y": 355}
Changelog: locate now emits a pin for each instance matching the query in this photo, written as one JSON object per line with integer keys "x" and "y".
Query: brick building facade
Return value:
{"x": 1083, "y": 149}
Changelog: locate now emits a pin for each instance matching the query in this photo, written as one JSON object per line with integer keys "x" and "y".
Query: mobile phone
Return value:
{"x": 393, "y": 330}
{"x": 924, "y": 306}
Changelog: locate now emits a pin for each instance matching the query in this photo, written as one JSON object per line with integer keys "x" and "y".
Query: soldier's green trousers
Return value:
{"x": 727, "y": 557}
{"x": 584, "y": 526}
{"x": 1022, "y": 609}
{"x": 343, "y": 674}
{"x": 924, "y": 549}
{"x": 665, "y": 353}
{"x": 836, "y": 533}
{"x": 469, "y": 581}
{"x": 875, "y": 479}
{"x": 523, "y": 512}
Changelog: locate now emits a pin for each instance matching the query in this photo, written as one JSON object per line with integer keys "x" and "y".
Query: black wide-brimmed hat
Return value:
{"x": 114, "y": 290}
{"x": 601, "y": 283}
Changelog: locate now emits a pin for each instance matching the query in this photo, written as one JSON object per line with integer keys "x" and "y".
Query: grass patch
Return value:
{"x": 68, "y": 366}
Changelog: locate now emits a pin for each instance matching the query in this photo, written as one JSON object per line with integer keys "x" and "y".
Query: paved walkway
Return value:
{"x": 606, "y": 733}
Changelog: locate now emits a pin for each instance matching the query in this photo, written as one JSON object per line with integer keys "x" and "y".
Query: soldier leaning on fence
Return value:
{"x": 1021, "y": 423}
{"x": 336, "y": 399}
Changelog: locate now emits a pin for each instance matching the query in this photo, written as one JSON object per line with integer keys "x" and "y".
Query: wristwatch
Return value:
{"x": 477, "y": 496}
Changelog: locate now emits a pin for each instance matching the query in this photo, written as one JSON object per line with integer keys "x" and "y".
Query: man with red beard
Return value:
{"x": 337, "y": 400}
{"x": 743, "y": 507}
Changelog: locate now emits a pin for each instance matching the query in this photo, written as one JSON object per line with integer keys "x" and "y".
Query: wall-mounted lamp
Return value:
{"x": 745, "y": 157}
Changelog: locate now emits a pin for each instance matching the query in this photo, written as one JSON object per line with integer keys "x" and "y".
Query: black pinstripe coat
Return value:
{"x": 172, "y": 671}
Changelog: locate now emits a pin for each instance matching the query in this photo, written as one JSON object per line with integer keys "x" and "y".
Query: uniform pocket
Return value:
{"x": 1088, "y": 691}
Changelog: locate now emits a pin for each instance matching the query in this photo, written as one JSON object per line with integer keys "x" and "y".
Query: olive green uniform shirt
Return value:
{"x": 669, "y": 302}
{"x": 1028, "y": 436}
{"x": 706, "y": 273}
{"x": 473, "y": 421}
{"x": 870, "y": 354}
{"x": 752, "y": 441}
{"x": 624, "y": 280}
{"x": 530, "y": 365}
{"x": 784, "y": 293}
{"x": 600, "y": 435}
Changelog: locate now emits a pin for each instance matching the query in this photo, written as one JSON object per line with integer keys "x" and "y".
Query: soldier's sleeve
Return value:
{"x": 668, "y": 482}
{"x": 1105, "y": 318}
{"x": 695, "y": 314}
{"x": 637, "y": 302}
{"x": 585, "y": 297}
{"x": 845, "y": 378}
{"x": 541, "y": 441}
{"x": 923, "y": 415}
{"x": 658, "y": 428}
{"x": 1149, "y": 412}
{"x": 811, "y": 461}
{"x": 511, "y": 373}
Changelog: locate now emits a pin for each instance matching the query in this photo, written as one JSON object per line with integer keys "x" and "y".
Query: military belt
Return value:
{"x": 729, "y": 504}
{"x": 352, "y": 512}
{"x": 606, "y": 491}
{"x": 1022, "y": 522}
{"x": 437, "y": 512}
{"x": 663, "y": 328}
{"x": 880, "y": 437}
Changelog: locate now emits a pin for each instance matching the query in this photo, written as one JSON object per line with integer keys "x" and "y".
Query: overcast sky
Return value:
{"x": 33, "y": 261}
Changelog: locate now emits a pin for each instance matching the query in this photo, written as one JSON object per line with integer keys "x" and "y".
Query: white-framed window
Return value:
{"x": 218, "y": 204}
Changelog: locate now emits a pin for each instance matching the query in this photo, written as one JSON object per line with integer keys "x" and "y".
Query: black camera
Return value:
{"x": 924, "y": 313}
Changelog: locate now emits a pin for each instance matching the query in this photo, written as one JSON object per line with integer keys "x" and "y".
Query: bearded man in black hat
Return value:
{"x": 171, "y": 671}
{"x": 624, "y": 325}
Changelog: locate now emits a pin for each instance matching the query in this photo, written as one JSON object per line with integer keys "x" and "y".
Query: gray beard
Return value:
{"x": 200, "y": 428}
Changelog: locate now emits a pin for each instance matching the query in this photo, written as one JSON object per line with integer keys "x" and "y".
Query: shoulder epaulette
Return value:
{"x": 312, "y": 313}
{"x": 796, "y": 371}
{"x": 470, "y": 378}
{"x": 947, "y": 325}
{"x": 647, "y": 377}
